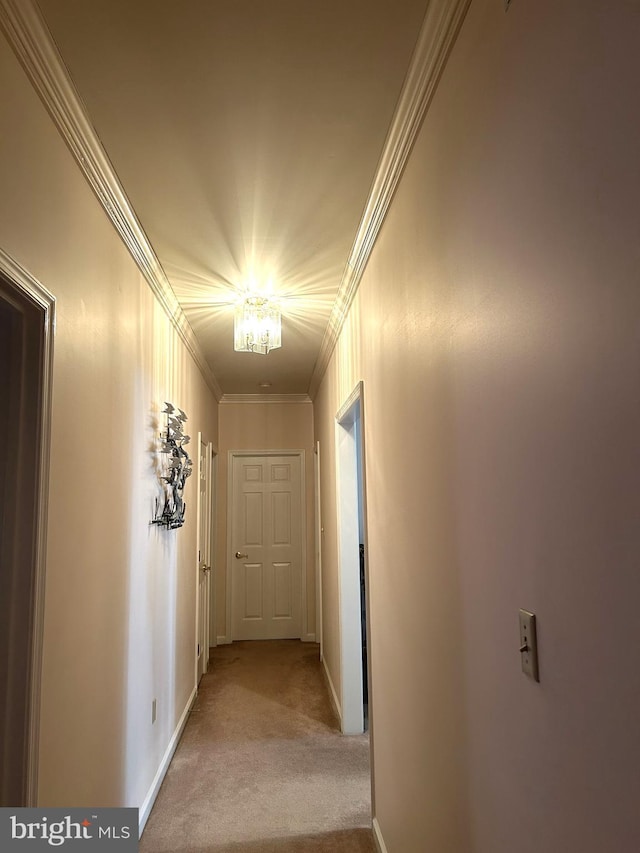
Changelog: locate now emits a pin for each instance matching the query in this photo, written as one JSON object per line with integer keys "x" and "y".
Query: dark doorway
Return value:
{"x": 22, "y": 340}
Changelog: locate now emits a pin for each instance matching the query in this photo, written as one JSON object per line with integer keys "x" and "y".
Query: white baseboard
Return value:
{"x": 306, "y": 638}
{"x": 332, "y": 692}
{"x": 149, "y": 800}
{"x": 381, "y": 847}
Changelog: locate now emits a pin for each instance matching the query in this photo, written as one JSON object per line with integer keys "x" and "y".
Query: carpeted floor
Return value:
{"x": 262, "y": 766}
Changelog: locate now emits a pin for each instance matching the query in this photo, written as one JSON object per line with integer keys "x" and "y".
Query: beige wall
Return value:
{"x": 496, "y": 331}
{"x": 264, "y": 426}
{"x": 120, "y": 594}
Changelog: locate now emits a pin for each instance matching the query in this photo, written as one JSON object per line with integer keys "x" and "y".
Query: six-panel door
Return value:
{"x": 267, "y": 547}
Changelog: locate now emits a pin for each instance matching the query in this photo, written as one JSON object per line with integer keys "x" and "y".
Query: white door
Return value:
{"x": 266, "y": 547}
{"x": 204, "y": 554}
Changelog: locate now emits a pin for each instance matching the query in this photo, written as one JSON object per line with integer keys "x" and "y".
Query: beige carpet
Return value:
{"x": 262, "y": 766}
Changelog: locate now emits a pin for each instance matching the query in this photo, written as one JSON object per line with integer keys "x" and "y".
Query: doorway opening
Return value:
{"x": 319, "y": 533}
{"x": 354, "y": 621}
{"x": 213, "y": 624}
{"x": 26, "y": 326}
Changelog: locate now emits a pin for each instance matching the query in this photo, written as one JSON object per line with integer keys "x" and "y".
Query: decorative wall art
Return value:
{"x": 176, "y": 466}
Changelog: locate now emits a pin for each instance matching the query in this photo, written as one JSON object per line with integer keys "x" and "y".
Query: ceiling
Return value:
{"x": 246, "y": 134}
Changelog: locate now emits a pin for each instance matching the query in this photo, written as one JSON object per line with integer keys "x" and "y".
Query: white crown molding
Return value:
{"x": 296, "y": 399}
{"x": 28, "y": 35}
{"x": 439, "y": 30}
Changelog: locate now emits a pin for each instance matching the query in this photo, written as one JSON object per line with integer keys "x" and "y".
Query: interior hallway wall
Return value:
{"x": 264, "y": 425}
{"x": 120, "y": 594}
{"x": 497, "y": 333}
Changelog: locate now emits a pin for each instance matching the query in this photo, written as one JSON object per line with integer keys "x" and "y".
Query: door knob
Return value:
{"x": 239, "y": 556}
{"x": 206, "y": 569}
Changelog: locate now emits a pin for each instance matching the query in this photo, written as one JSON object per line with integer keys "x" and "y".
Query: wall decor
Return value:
{"x": 176, "y": 467}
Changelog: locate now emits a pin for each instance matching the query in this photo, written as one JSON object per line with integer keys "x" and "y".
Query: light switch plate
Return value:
{"x": 529, "y": 645}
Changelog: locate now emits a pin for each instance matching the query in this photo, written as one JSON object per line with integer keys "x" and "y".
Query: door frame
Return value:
{"x": 352, "y": 410}
{"x": 231, "y": 456}
{"x": 319, "y": 530}
{"x": 31, "y": 288}
{"x": 208, "y": 450}
{"x": 213, "y": 574}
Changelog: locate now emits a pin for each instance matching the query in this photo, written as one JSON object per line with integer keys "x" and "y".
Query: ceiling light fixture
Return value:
{"x": 258, "y": 326}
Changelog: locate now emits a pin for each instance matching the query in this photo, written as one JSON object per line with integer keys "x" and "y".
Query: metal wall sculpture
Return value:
{"x": 177, "y": 467}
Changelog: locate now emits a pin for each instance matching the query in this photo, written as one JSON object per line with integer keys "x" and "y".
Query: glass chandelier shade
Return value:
{"x": 258, "y": 326}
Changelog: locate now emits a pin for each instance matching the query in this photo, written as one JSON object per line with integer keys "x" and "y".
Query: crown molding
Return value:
{"x": 265, "y": 398}
{"x": 439, "y": 30}
{"x": 31, "y": 41}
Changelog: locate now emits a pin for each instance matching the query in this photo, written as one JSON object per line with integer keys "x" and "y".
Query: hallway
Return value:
{"x": 262, "y": 766}
{"x": 443, "y": 199}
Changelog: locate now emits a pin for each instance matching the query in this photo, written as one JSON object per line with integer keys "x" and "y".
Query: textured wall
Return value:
{"x": 120, "y": 595}
{"x": 497, "y": 333}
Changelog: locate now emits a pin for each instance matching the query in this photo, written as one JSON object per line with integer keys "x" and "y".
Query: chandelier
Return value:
{"x": 257, "y": 326}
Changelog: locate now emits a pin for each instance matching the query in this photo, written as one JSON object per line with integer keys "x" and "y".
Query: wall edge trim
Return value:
{"x": 149, "y": 800}
{"x": 438, "y": 33}
{"x": 333, "y": 696}
{"x": 381, "y": 847}
{"x": 28, "y": 35}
